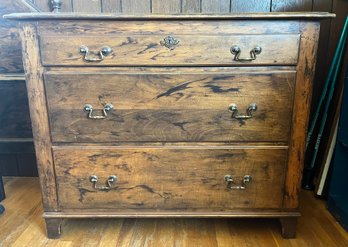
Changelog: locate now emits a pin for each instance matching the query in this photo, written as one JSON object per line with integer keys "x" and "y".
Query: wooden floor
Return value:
{"x": 22, "y": 225}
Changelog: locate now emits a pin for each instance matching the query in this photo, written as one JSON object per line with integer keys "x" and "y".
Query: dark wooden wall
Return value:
{"x": 14, "y": 120}
{"x": 181, "y": 6}
{"x": 17, "y": 157}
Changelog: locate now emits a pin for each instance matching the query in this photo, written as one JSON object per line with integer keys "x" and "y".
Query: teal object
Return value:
{"x": 326, "y": 98}
{"x": 338, "y": 187}
{"x": 2, "y": 195}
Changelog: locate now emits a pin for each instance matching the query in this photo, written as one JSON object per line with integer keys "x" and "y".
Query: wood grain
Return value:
{"x": 302, "y": 100}
{"x": 146, "y": 181}
{"x": 250, "y": 6}
{"x": 170, "y": 107}
{"x": 166, "y": 27}
{"x": 166, "y": 6}
{"x": 191, "y": 6}
{"x": 212, "y": 6}
{"x": 147, "y": 50}
{"x": 67, "y": 6}
{"x": 87, "y": 6}
{"x": 46, "y": 6}
{"x": 288, "y": 227}
{"x": 43, "y": 5}
{"x": 291, "y": 5}
{"x": 316, "y": 227}
{"x": 39, "y": 117}
{"x": 207, "y": 16}
{"x": 53, "y": 227}
{"x": 136, "y": 6}
{"x": 111, "y": 6}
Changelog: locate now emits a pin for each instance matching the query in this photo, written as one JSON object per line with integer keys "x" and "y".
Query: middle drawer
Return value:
{"x": 170, "y": 107}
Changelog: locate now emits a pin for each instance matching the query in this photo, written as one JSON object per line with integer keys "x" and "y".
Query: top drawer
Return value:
{"x": 169, "y": 49}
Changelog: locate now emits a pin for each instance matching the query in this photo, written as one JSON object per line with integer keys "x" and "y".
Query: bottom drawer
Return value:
{"x": 170, "y": 178}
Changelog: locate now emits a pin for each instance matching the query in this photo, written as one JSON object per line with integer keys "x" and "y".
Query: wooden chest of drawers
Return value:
{"x": 170, "y": 116}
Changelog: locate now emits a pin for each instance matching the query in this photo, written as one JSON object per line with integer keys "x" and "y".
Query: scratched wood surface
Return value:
{"x": 162, "y": 179}
{"x": 11, "y": 57}
{"x": 39, "y": 115}
{"x": 150, "y": 50}
{"x": 300, "y": 117}
{"x": 170, "y": 104}
{"x": 22, "y": 225}
{"x": 162, "y": 106}
{"x": 167, "y": 27}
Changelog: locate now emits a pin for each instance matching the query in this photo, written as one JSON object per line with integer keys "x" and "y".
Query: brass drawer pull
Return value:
{"x": 170, "y": 42}
{"x": 236, "y": 51}
{"x": 89, "y": 108}
{"x": 230, "y": 182}
{"x": 105, "y": 51}
{"x": 233, "y": 108}
{"x": 94, "y": 180}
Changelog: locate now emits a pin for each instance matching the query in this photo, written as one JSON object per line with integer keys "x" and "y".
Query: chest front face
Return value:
{"x": 170, "y": 117}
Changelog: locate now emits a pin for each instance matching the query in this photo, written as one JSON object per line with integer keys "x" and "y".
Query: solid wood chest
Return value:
{"x": 170, "y": 116}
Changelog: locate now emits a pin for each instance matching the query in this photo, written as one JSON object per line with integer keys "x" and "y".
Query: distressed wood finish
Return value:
{"x": 131, "y": 17}
{"x": 288, "y": 227}
{"x": 170, "y": 179}
{"x": 162, "y": 106}
{"x": 303, "y": 93}
{"x": 10, "y": 40}
{"x": 148, "y": 50}
{"x": 164, "y": 27}
{"x": 170, "y": 139}
{"x": 53, "y": 227}
{"x": 316, "y": 227}
{"x": 39, "y": 116}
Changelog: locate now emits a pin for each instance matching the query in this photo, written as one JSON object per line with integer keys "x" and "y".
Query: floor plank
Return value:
{"x": 22, "y": 225}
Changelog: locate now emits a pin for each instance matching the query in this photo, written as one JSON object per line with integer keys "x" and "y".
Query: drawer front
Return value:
{"x": 173, "y": 50}
{"x": 172, "y": 107}
{"x": 169, "y": 178}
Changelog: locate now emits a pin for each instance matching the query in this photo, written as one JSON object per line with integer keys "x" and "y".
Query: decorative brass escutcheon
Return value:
{"x": 170, "y": 42}
{"x": 236, "y": 51}
{"x": 251, "y": 108}
{"x": 56, "y": 5}
{"x": 103, "y": 52}
{"x": 94, "y": 180}
{"x": 89, "y": 108}
{"x": 230, "y": 182}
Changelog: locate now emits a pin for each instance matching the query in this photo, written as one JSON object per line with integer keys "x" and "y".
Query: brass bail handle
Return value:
{"x": 89, "y": 108}
{"x": 101, "y": 54}
{"x": 236, "y": 51}
{"x": 249, "y": 111}
{"x": 94, "y": 180}
{"x": 231, "y": 183}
